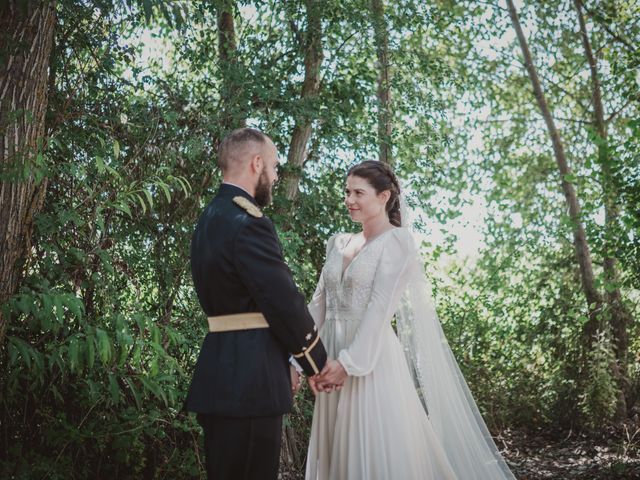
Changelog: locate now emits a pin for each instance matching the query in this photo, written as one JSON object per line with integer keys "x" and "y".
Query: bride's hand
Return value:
{"x": 332, "y": 375}
{"x": 318, "y": 385}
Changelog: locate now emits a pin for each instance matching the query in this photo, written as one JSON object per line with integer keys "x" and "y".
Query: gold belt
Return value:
{"x": 238, "y": 321}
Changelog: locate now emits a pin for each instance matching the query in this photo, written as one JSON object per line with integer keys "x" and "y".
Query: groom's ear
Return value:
{"x": 256, "y": 164}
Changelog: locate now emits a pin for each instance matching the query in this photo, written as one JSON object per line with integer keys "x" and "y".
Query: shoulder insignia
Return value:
{"x": 245, "y": 204}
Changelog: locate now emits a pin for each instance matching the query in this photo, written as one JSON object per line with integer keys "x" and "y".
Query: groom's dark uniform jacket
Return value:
{"x": 237, "y": 267}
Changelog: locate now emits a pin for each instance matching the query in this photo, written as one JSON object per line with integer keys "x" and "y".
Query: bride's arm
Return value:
{"x": 390, "y": 281}
{"x": 318, "y": 307}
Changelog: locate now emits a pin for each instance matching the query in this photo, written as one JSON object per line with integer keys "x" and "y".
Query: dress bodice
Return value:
{"x": 348, "y": 291}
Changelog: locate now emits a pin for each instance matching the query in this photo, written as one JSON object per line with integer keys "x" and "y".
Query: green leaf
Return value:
{"x": 38, "y": 362}
{"x": 114, "y": 389}
{"x": 148, "y": 10}
{"x": 13, "y": 353}
{"x": 184, "y": 184}
{"x": 45, "y": 314}
{"x": 46, "y": 321}
{"x": 141, "y": 201}
{"x": 100, "y": 219}
{"x": 165, "y": 13}
{"x": 57, "y": 304}
{"x": 147, "y": 194}
{"x": 24, "y": 303}
{"x": 153, "y": 368}
{"x": 155, "y": 334}
{"x": 125, "y": 340}
{"x": 47, "y": 304}
{"x": 165, "y": 189}
{"x": 136, "y": 356}
{"x": 177, "y": 14}
{"x": 155, "y": 389}
{"x": 73, "y": 353}
{"x": 90, "y": 350}
{"x": 134, "y": 392}
{"x": 56, "y": 393}
{"x": 141, "y": 322}
{"x": 104, "y": 345}
{"x": 105, "y": 259}
{"x": 24, "y": 348}
{"x": 75, "y": 306}
{"x": 113, "y": 172}
{"x": 123, "y": 207}
{"x": 100, "y": 164}
{"x": 116, "y": 149}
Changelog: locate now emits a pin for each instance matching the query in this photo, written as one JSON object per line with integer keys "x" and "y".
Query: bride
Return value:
{"x": 401, "y": 408}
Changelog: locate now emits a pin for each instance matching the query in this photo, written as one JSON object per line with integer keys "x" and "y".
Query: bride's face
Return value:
{"x": 362, "y": 200}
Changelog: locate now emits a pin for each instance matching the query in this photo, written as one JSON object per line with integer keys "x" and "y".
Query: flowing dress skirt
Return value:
{"x": 375, "y": 427}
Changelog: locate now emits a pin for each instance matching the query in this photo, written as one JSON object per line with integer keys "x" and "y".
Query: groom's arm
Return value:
{"x": 262, "y": 270}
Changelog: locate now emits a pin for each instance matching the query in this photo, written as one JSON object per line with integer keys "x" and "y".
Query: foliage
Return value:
{"x": 106, "y": 328}
{"x": 598, "y": 403}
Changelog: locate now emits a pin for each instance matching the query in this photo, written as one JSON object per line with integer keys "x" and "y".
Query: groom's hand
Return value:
{"x": 318, "y": 385}
{"x": 313, "y": 383}
{"x": 296, "y": 380}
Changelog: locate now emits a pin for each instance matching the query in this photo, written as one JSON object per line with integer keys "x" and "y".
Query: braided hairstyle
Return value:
{"x": 381, "y": 178}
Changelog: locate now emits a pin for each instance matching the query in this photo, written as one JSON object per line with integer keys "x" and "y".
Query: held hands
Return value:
{"x": 331, "y": 378}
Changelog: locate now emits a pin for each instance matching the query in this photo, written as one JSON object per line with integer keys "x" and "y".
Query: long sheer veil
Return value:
{"x": 452, "y": 411}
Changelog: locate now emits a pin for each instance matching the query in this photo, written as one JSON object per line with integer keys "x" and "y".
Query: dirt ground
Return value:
{"x": 611, "y": 455}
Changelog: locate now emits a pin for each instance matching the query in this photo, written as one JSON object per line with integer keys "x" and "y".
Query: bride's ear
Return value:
{"x": 384, "y": 196}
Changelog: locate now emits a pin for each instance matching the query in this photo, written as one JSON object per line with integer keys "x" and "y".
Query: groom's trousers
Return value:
{"x": 239, "y": 448}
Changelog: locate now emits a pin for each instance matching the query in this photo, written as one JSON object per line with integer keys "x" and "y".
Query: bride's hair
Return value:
{"x": 381, "y": 178}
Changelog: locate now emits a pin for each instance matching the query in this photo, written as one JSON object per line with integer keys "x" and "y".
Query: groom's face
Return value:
{"x": 268, "y": 175}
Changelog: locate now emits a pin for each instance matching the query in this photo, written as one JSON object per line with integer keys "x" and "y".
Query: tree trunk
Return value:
{"x": 310, "y": 88}
{"x": 234, "y": 112}
{"x": 619, "y": 315}
{"x": 583, "y": 256}
{"x": 298, "y": 152}
{"x": 27, "y": 28}
{"x": 385, "y": 113}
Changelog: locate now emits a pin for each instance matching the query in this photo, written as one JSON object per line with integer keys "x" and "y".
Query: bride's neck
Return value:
{"x": 375, "y": 226}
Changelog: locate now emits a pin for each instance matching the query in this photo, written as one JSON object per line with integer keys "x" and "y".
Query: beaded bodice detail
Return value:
{"x": 348, "y": 293}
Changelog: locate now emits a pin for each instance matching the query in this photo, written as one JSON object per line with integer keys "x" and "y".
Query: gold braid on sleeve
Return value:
{"x": 305, "y": 353}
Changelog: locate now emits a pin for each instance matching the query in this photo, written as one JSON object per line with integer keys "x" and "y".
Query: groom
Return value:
{"x": 242, "y": 384}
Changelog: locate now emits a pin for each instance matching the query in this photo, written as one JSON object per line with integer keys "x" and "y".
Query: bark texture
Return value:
{"x": 26, "y": 34}
{"x": 234, "y": 112}
{"x": 385, "y": 112}
{"x": 313, "y": 57}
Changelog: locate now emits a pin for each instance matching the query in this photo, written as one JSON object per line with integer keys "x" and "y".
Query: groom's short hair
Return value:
{"x": 234, "y": 145}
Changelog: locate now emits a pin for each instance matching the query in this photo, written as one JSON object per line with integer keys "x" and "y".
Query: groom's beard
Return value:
{"x": 263, "y": 190}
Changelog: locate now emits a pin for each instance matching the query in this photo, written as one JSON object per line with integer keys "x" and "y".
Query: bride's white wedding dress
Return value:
{"x": 376, "y": 426}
